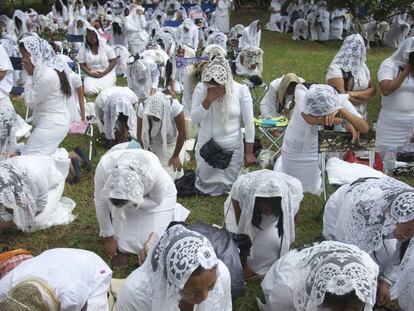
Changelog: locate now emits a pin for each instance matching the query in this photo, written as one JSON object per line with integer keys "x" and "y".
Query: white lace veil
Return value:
{"x": 18, "y": 193}
{"x": 158, "y": 105}
{"x": 351, "y": 57}
{"x": 213, "y": 50}
{"x": 400, "y": 56}
{"x": 139, "y": 78}
{"x": 8, "y": 124}
{"x": 321, "y": 100}
{"x": 375, "y": 207}
{"x": 177, "y": 255}
{"x": 336, "y": 268}
{"x": 268, "y": 184}
{"x": 253, "y": 55}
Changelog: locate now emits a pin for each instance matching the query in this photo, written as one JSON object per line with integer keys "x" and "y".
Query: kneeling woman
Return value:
{"x": 182, "y": 273}
{"x": 161, "y": 129}
{"x": 263, "y": 204}
{"x": 326, "y": 276}
{"x": 320, "y": 105}
{"x": 31, "y": 189}
{"x": 134, "y": 197}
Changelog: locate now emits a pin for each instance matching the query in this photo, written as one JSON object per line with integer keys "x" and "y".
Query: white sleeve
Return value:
{"x": 198, "y": 112}
{"x": 268, "y": 103}
{"x": 35, "y": 91}
{"x": 225, "y": 301}
{"x": 141, "y": 110}
{"x": 386, "y": 71}
{"x": 143, "y": 21}
{"x": 334, "y": 72}
{"x": 331, "y": 212}
{"x": 42, "y": 186}
{"x": 81, "y": 57}
{"x": 76, "y": 80}
{"x": 103, "y": 212}
{"x": 345, "y": 103}
{"x": 176, "y": 108}
{"x": 246, "y": 105}
{"x": 110, "y": 53}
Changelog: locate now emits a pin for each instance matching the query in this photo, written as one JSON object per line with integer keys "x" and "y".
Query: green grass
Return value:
{"x": 282, "y": 55}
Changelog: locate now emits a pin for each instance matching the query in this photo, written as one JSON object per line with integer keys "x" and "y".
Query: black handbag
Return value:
{"x": 215, "y": 156}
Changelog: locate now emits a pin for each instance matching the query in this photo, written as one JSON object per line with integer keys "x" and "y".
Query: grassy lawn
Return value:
{"x": 281, "y": 55}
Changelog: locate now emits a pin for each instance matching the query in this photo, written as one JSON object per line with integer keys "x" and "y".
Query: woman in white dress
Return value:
{"x": 349, "y": 74}
{"x": 337, "y": 24}
{"x": 118, "y": 32}
{"x": 161, "y": 129}
{"x": 218, "y": 106}
{"x": 115, "y": 113}
{"x": 275, "y": 16}
{"x": 320, "y": 105}
{"x": 279, "y": 98}
{"x": 249, "y": 62}
{"x": 222, "y": 15}
{"x": 63, "y": 279}
{"x": 36, "y": 202}
{"x": 251, "y": 35}
{"x": 181, "y": 273}
{"x": 377, "y": 215}
{"x": 395, "y": 127}
{"x": 97, "y": 60}
{"x": 134, "y": 197}
{"x": 326, "y": 276}
{"x": 263, "y": 205}
{"x": 322, "y": 22}
{"x": 396, "y": 35}
{"x": 187, "y": 34}
{"x": 60, "y": 14}
{"x": 135, "y": 24}
{"x": 46, "y": 90}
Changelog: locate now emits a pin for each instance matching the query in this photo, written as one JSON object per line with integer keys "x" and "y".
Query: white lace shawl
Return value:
{"x": 218, "y": 38}
{"x": 400, "y": 56}
{"x": 177, "y": 255}
{"x": 236, "y": 31}
{"x": 376, "y": 206}
{"x": 267, "y": 184}
{"x": 336, "y": 268}
{"x": 167, "y": 39}
{"x": 213, "y": 50}
{"x": 158, "y": 105}
{"x": 18, "y": 193}
{"x": 8, "y": 124}
{"x": 405, "y": 283}
{"x": 321, "y": 100}
{"x": 11, "y": 47}
{"x": 139, "y": 78}
{"x": 252, "y": 55}
{"x": 110, "y": 110}
{"x": 351, "y": 57}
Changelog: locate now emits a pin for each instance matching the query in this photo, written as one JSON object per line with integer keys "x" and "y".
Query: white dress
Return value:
{"x": 99, "y": 62}
{"x": 211, "y": 180}
{"x": 300, "y": 144}
{"x": 137, "y": 292}
{"x": 323, "y": 19}
{"x": 337, "y": 24}
{"x": 269, "y": 105}
{"x": 135, "y": 29}
{"x": 189, "y": 37}
{"x": 396, "y": 119}
{"x": 275, "y": 18}
{"x": 141, "y": 221}
{"x": 222, "y": 13}
{"x": 51, "y": 119}
{"x": 76, "y": 276}
{"x": 156, "y": 139}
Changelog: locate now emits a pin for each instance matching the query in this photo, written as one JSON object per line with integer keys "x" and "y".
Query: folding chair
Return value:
{"x": 70, "y": 44}
{"x": 333, "y": 141}
{"x": 266, "y": 126}
{"x": 172, "y": 23}
{"x": 16, "y": 63}
{"x": 257, "y": 96}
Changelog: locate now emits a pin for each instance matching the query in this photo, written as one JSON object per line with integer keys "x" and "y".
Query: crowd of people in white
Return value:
{"x": 179, "y": 59}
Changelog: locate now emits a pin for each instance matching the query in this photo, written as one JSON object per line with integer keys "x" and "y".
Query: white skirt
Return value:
{"x": 93, "y": 86}
{"x": 214, "y": 181}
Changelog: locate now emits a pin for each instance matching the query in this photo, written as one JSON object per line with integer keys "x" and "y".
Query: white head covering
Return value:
{"x": 253, "y": 28}
{"x": 400, "y": 57}
{"x": 158, "y": 105}
{"x": 218, "y": 38}
{"x": 375, "y": 207}
{"x": 8, "y": 124}
{"x": 101, "y": 40}
{"x": 24, "y": 19}
{"x": 177, "y": 255}
{"x": 8, "y": 23}
{"x": 18, "y": 193}
{"x": 139, "y": 78}
{"x": 336, "y": 268}
{"x": 73, "y": 27}
{"x": 268, "y": 184}
{"x": 351, "y": 56}
{"x": 167, "y": 39}
{"x": 11, "y": 47}
{"x": 321, "y": 100}
{"x": 236, "y": 31}
{"x": 213, "y": 50}
{"x": 253, "y": 55}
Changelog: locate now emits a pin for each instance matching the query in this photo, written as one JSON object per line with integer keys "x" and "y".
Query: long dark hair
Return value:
{"x": 18, "y": 23}
{"x": 332, "y": 300}
{"x": 59, "y": 7}
{"x": 276, "y": 206}
{"x": 116, "y": 28}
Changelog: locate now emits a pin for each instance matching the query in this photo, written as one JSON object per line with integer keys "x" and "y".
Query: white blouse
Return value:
{"x": 98, "y": 62}
{"x": 6, "y": 83}
{"x": 269, "y": 104}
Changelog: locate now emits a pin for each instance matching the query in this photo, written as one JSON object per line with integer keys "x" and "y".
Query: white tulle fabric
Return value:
{"x": 351, "y": 56}
{"x": 178, "y": 253}
{"x": 112, "y": 107}
{"x": 158, "y": 105}
{"x": 267, "y": 184}
{"x": 253, "y": 55}
{"x": 213, "y": 50}
{"x": 400, "y": 57}
{"x": 8, "y": 125}
{"x": 17, "y": 193}
{"x": 139, "y": 78}
{"x": 405, "y": 283}
{"x": 335, "y": 268}
{"x": 321, "y": 100}
{"x": 378, "y": 205}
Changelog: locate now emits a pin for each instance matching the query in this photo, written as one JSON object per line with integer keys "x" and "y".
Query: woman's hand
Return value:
{"x": 383, "y": 292}
{"x": 111, "y": 246}
{"x": 28, "y": 65}
{"x": 99, "y": 74}
{"x": 249, "y": 159}
{"x": 215, "y": 92}
{"x": 330, "y": 118}
{"x": 351, "y": 129}
{"x": 175, "y": 163}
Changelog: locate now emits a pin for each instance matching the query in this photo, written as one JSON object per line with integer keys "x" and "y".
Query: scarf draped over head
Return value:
{"x": 236, "y": 31}
{"x": 177, "y": 255}
{"x": 401, "y": 55}
{"x": 284, "y": 84}
{"x": 335, "y": 268}
{"x": 24, "y": 19}
{"x": 158, "y": 105}
{"x": 375, "y": 207}
{"x": 268, "y": 184}
{"x": 253, "y": 28}
{"x": 101, "y": 40}
{"x": 213, "y": 50}
{"x": 73, "y": 26}
{"x": 351, "y": 57}
{"x": 218, "y": 38}
{"x": 321, "y": 100}
{"x": 253, "y": 55}
{"x": 8, "y": 119}
{"x": 19, "y": 194}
